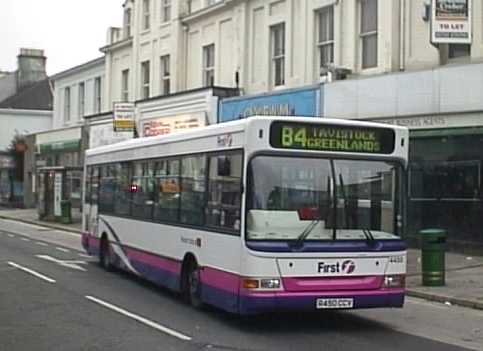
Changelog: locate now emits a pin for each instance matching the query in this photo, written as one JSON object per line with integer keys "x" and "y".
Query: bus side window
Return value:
{"x": 224, "y": 191}
{"x": 94, "y": 193}
{"x": 167, "y": 190}
{"x": 142, "y": 189}
{"x": 107, "y": 185}
{"x": 193, "y": 179}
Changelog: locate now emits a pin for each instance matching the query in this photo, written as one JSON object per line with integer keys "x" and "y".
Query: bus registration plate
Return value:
{"x": 334, "y": 303}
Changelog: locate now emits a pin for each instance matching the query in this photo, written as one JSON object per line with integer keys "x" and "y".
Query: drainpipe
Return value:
{"x": 402, "y": 36}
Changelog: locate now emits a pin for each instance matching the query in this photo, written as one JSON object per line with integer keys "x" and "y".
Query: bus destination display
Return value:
{"x": 326, "y": 137}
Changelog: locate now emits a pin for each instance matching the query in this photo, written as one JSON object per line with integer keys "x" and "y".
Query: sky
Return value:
{"x": 69, "y": 31}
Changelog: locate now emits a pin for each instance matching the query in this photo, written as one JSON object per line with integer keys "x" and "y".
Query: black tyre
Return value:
{"x": 105, "y": 257}
{"x": 193, "y": 286}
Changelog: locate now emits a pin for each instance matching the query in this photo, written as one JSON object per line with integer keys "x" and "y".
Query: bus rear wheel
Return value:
{"x": 105, "y": 256}
{"x": 193, "y": 286}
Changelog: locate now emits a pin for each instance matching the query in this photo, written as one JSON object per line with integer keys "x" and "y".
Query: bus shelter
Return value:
{"x": 59, "y": 194}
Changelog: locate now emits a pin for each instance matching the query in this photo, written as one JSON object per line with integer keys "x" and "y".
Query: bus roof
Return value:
{"x": 227, "y": 127}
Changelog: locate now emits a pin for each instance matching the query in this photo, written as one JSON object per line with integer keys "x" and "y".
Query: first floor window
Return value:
{"x": 82, "y": 99}
{"x": 165, "y": 75}
{"x": 145, "y": 75}
{"x": 67, "y": 104}
{"x": 165, "y": 10}
{"x": 368, "y": 33}
{"x": 146, "y": 14}
{"x": 209, "y": 65}
{"x": 125, "y": 85}
{"x": 97, "y": 95}
{"x": 325, "y": 41}
{"x": 277, "y": 34}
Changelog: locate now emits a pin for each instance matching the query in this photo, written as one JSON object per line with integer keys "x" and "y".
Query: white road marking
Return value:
{"x": 84, "y": 255}
{"x": 32, "y": 272}
{"x": 62, "y": 249}
{"x": 11, "y": 235}
{"x": 41, "y": 243}
{"x": 25, "y": 239}
{"x": 140, "y": 319}
{"x": 68, "y": 264}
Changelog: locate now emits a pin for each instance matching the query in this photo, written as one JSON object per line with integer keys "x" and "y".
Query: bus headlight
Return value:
{"x": 394, "y": 281}
{"x": 262, "y": 284}
{"x": 270, "y": 283}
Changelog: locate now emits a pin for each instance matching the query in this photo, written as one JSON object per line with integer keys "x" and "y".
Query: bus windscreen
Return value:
{"x": 327, "y": 137}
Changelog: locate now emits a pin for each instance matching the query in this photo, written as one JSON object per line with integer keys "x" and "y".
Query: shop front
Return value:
{"x": 445, "y": 180}
{"x": 180, "y": 111}
{"x": 7, "y": 186}
{"x": 304, "y": 101}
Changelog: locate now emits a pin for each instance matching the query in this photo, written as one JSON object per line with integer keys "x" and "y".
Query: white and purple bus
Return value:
{"x": 257, "y": 215}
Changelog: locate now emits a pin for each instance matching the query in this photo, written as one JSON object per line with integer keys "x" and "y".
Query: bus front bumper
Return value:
{"x": 253, "y": 303}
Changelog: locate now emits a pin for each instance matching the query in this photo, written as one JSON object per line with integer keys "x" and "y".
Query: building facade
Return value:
{"x": 168, "y": 46}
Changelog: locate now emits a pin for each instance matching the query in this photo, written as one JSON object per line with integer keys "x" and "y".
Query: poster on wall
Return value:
{"x": 124, "y": 114}
{"x": 57, "y": 194}
{"x": 172, "y": 124}
{"x": 103, "y": 134}
{"x": 451, "y": 22}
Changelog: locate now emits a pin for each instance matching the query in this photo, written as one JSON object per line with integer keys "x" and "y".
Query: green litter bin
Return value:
{"x": 433, "y": 247}
{"x": 66, "y": 212}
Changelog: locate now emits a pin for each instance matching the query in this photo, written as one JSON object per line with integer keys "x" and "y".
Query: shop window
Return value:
{"x": 123, "y": 199}
{"x": 142, "y": 189}
{"x": 209, "y": 65}
{"x": 167, "y": 191}
{"x": 277, "y": 38}
{"x": 193, "y": 181}
{"x": 224, "y": 191}
{"x": 368, "y": 33}
{"x": 325, "y": 43}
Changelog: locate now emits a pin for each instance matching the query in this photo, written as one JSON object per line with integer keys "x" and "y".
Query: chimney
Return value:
{"x": 31, "y": 67}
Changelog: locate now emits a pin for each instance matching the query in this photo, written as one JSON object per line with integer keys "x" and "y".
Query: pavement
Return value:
{"x": 464, "y": 274}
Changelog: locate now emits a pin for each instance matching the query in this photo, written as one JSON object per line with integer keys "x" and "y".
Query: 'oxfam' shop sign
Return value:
{"x": 294, "y": 102}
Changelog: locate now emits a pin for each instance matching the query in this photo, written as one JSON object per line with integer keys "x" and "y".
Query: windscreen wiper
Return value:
{"x": 305, "y": 233}
{"x": 367, "y": 233}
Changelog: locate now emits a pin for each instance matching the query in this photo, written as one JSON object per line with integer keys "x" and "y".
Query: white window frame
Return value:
{"x": 365, "y": 35}
{"x": 328, "y": 43}
{"x": 277, "y": 32}
{"x": 165, "y": 67}
{"x": 67, "y": 104}
{"x": 146, "y": 7}
{"x": 97, "y": 95}
{"x": 145, "y": 79}
{"x": 165, "y": 11}
{"x": 209, "y": 67}
{"x": 82, "y": 99}
{"x": 125, "y": 85}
